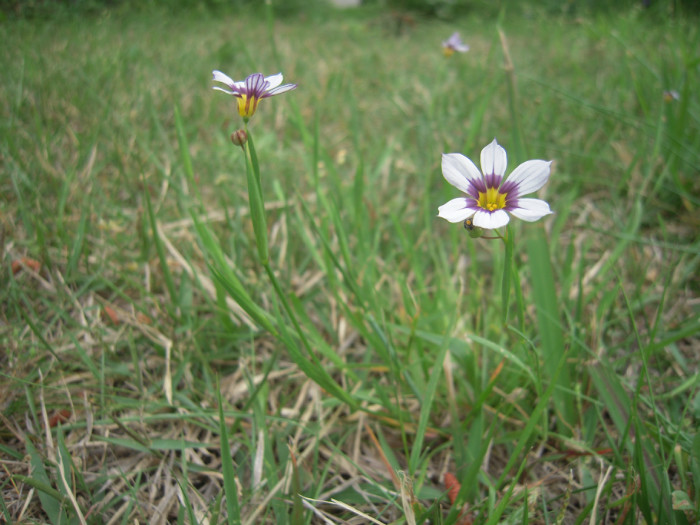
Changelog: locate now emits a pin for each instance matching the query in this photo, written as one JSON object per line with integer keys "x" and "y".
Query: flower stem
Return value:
{"x": 255, "y": 198}
{"x": 507, "y": 271}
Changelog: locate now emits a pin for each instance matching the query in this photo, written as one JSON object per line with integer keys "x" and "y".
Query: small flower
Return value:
{"x": 251, "y": 90}
{"x": 454, "y": 43}
{"x": 488, "y": 197}
{"x": 671, "y": 95}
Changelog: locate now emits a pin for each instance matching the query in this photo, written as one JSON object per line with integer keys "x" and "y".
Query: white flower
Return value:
{"x": 488, "y": 198}
{"x": 454, "y": 43}
{"x": 251, "y": 90}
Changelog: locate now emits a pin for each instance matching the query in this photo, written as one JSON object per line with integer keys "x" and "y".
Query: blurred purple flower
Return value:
{"x": 454, "y": 43}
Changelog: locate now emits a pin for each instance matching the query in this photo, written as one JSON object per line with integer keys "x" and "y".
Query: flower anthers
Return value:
{"x": 488, "y": 197}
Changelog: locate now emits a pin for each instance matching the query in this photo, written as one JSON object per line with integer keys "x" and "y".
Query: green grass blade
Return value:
{"x": 227, "y": 278}
{"x": 427, "y": 403}
{"x": 495, "y": 514}
{"x": 79, "y": 240}
{"x": 160, "y": 250}
{"x": 51, "y": 499}
{"x": 527, "y": 432}
{"x": 185, "y": 157}
{"x": 549, "y": 325}
{"x": 230, "y": 486}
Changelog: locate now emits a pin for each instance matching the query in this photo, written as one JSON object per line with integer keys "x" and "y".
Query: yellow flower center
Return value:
{"x": 492, "y": 200}
{"x": 447, "y": 51}
{"x": 247, "y": 105}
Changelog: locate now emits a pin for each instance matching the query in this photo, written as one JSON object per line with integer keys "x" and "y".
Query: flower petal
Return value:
{"x": 227, "y": 91}
{"x": 280, "y": 89}
{"x": 491, "y": 220}
{"x": 459, "y": 171}
{"x": 274, "y": 80}
{"x": 528, "y": 177}
{"x": 455, "y": 210}
{"x": 223, "y": 78}
{"x": 493, "y": 159}
{"x": 531, "y": 210}
{"x": 255, "y": 85}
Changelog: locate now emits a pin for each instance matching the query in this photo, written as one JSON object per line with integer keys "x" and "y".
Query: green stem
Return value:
{"x": 255, "y": 199}
{"x": 287, "y": 308}
{"x": 507, "y": 272}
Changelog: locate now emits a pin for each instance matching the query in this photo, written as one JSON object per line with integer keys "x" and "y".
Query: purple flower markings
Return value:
{"x": 250, "y": 91}
{"x": 488, "y": 198}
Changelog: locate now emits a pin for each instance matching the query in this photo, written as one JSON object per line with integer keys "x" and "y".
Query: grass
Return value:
{"x": 377, "y": 354}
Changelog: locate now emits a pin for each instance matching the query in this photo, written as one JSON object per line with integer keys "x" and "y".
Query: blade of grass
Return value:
{"x": 185, "y": 157}
{"x": 160, "y": 250}
{"x": 436, "y": 339}
{"x": 529, "y": 429}
{"x": 230, "y": 487}
{"x": 428, "y": 396}
{"x": 297, "y": 517}
{"x": 226, "y": 277}
{"x": 554, "y": 352}
{"x": 66, "y": 473}
{"x": 496, "y": 513}
{"x": 51, "y": 499}
{"x": 79, "y": 240}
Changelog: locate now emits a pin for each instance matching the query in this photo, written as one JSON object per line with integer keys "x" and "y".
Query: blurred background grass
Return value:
{"x": 98, "y": 324}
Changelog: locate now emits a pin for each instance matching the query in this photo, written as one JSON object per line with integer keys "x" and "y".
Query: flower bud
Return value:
{"x": 239, "y": 137}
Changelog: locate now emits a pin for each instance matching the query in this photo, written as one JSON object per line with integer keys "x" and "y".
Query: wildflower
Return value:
{"x": 671, "y": 95}
{"x": 454, "y": 43}
{"x": 250, "y": 91}
{"x": 488, "y": 197}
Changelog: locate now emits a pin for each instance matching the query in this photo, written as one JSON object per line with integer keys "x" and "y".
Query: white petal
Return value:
{"x": 223, "y": 78}
{"x": 531, "y": 210}
{"x": 530, "y": 176}
{"x": 227, "y": 91}
{"x": 274, "y": 80}
{"x": 493, "y": 159}
{"x": 280, "y": 89}
{"x": 455, "y": 210}
{"x": 458, "y": 170}
{"x": 491, "y": 220}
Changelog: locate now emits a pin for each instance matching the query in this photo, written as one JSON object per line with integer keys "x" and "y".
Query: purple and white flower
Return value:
{"x": 488, "y": 197}
{"x": 454, "y": 43}
{"x": 250, "y": 91}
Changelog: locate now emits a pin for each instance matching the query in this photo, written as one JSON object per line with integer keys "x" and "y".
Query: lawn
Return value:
{"x": 286, "y": 332}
